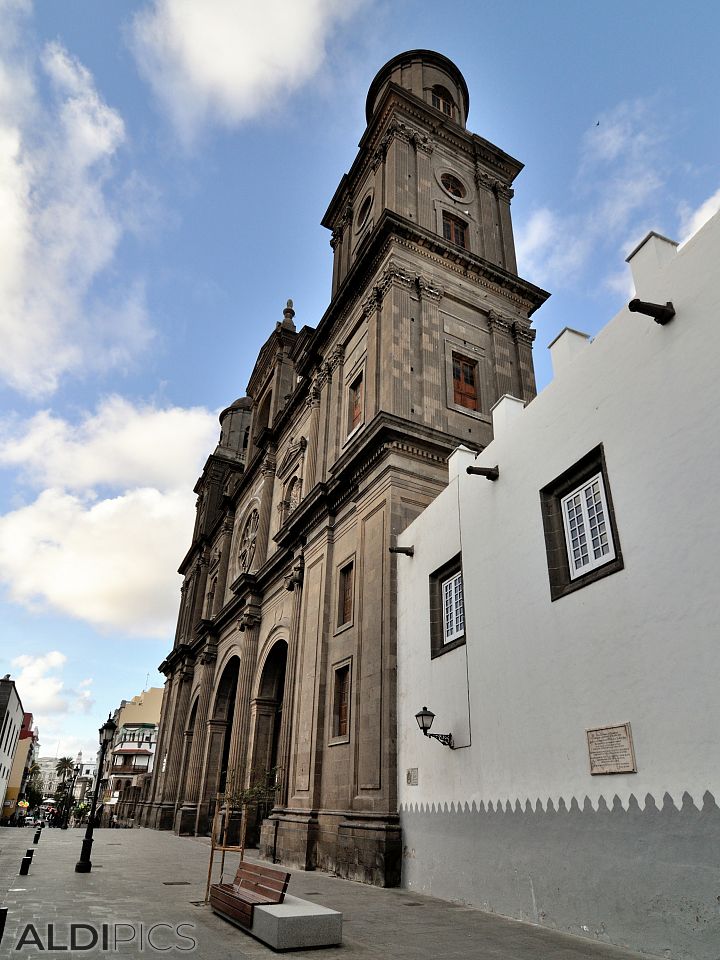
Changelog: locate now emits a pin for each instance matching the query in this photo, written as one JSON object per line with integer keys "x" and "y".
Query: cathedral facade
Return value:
{"x": 284, "y": 661}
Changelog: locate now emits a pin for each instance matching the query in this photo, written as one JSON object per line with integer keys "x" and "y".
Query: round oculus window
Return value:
{"x": 454, "y": 187}
{"x": 365, "y": 209}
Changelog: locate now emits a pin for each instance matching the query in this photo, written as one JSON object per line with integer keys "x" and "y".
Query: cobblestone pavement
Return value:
{"x": 142, "y": 878}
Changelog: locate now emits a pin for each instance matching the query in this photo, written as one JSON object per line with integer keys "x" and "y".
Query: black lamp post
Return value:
{"x": 107, "y": 732}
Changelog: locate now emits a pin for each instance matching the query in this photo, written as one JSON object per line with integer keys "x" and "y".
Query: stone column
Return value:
{"x": 186, "y": 817}
{"x": 501, "y": 347}
{"x": 427, "y": 379}
{"x": 175, "y": 749}
{"x": 249, "y": 625}
{"x": 224, "y": 547}
{"x": 261, "y": 538}
{"x": 294, "y": 584}
{"x": 523, "y": 337}
{"x": 311, "y": 457}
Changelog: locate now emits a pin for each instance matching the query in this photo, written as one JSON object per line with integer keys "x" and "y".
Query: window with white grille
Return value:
{"x": 453, "y": 610}
{"x": 587, "y": 528}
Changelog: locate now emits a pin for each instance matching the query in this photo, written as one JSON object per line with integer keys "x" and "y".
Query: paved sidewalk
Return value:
{"x": 142, "y": 878}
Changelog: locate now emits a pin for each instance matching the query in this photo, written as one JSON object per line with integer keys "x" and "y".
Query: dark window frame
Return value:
{"x": 442, "y": 100}
{"x": 438, "y": 647}
{"x": 345, "y": 594}
{"x": 341, "y": 698}
{"x": 455, "y": 230}
{"x": 356, "y": 403}
{"x": 551, "y": 495}
{"x": 459, "y": 382}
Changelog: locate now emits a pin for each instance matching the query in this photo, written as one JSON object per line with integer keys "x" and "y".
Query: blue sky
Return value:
{"x": 164, "y": 166}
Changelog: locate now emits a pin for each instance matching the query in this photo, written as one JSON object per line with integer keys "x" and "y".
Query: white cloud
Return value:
{"x": 618, "y": 180}
{"x": 39, "y": 684}
{"x": 58, "y": 230}
{"x": 692, "y": 219}
{"x": 230, "y": 60}
{"x": 108, "y": 561}
{"x": 120, "y": 445}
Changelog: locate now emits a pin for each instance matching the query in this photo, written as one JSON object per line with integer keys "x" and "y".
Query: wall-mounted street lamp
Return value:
{"x": 107, "y": 732}
{"x": 425, "y": 719}
{"x": 661, "y": 313}
{"x": 490, "y": 473}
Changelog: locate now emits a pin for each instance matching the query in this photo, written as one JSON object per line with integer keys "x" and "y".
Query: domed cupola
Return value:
{"x": 429, "y": 76}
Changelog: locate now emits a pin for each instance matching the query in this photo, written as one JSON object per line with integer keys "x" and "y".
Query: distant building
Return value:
{"x": 85, "y": 780}
{"x": 11, "y": 720}
{"x": 129, "y": 760}
{"x": 25, "y": 756}
{"x": 48, "y": 775}
{"x": 561, "y": 622}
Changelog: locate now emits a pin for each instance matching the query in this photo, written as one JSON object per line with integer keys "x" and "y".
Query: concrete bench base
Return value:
{"x": 296, "y": 923}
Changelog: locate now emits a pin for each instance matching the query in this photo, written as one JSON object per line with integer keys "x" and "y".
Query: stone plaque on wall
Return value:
{"x": 412, "y": 776}
{"x": 611, "y": 749}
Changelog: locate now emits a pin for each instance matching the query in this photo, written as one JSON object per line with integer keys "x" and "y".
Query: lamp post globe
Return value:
{"x": 107, "y": 732}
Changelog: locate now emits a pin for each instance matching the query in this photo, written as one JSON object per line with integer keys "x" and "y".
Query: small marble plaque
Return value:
{"x": 611, "y": 749}
{"x": 412, "y": 776}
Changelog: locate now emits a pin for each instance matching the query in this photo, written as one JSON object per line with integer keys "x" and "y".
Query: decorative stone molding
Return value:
{"x": 250, "y": 617}
{"x": 498, "y": 187}
{"x": 371, "y": 302}
{"x": 336, "y": 357}
{"x": 498, "y": 322}
{"x": 393, "y": 274}
{"x": 294, "y": 452}
{"x": 522, "y": 333}
{"x": 428, "y": 290}
{"x": 313, "y": 396}
{"x": 296, "y": 576}
{"x": 336, "y": 237}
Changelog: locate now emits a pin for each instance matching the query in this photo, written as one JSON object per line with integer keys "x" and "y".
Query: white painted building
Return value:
{"x": 11, "y": 718}
{"x": 536, "y": 658}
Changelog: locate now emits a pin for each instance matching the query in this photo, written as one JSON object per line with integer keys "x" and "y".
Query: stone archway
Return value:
{"x": 266, "y": 723}
{"x": 219, "y": 733}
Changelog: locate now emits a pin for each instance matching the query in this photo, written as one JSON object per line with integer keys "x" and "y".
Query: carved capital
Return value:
{"x": 421, "y": 142}
{"x": 497, "y": 322}
{"x": 296, "y": 576}
{"x": 268, "y": 466}
{"x": 337, "y": 355}
{"x": 428, "y": 291}
{"x": 371, "y": 303}
{"x": 250, "y": 617}
{"x": 393, "y": 274}
{"x": 522, "y": 334}
{"x": 313, "y": 396}
{"x": 336, "y": 237}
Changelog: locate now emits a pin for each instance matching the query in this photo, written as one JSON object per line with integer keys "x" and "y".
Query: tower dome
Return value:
{"x": 429, "y": 76}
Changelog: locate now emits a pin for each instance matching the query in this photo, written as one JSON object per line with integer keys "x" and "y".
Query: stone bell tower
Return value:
{"x": 424, "y": 216}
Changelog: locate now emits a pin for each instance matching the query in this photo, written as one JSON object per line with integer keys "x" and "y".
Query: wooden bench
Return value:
{"x": 253, "y": 886}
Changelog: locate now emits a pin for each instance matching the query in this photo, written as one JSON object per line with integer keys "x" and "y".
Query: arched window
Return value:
{"x": 246, "y": 553}
{"x": 441, "y": 99}
{"x": 292, "y": 495}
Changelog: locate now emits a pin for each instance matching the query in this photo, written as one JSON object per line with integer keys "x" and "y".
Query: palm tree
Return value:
{"x": 64, "y": 768}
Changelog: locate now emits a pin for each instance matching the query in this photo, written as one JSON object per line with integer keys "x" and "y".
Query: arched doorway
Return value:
{"x": 267, "y": 712}
{"x": 220, "y": 729}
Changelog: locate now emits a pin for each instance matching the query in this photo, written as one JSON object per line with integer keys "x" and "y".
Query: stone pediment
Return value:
{"x": 291, "y": 456}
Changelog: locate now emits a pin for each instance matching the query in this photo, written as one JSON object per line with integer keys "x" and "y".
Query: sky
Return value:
{"x": 164, "y": 167}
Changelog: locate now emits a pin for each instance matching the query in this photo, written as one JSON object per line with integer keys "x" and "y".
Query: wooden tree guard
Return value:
{"x": 233, "y": 800}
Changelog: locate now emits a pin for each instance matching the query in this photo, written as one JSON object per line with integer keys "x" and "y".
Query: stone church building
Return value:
{"x": 284, "y": 661}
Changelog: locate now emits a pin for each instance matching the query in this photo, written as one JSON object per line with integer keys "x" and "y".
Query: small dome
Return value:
{"x": 430, "y": 76}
